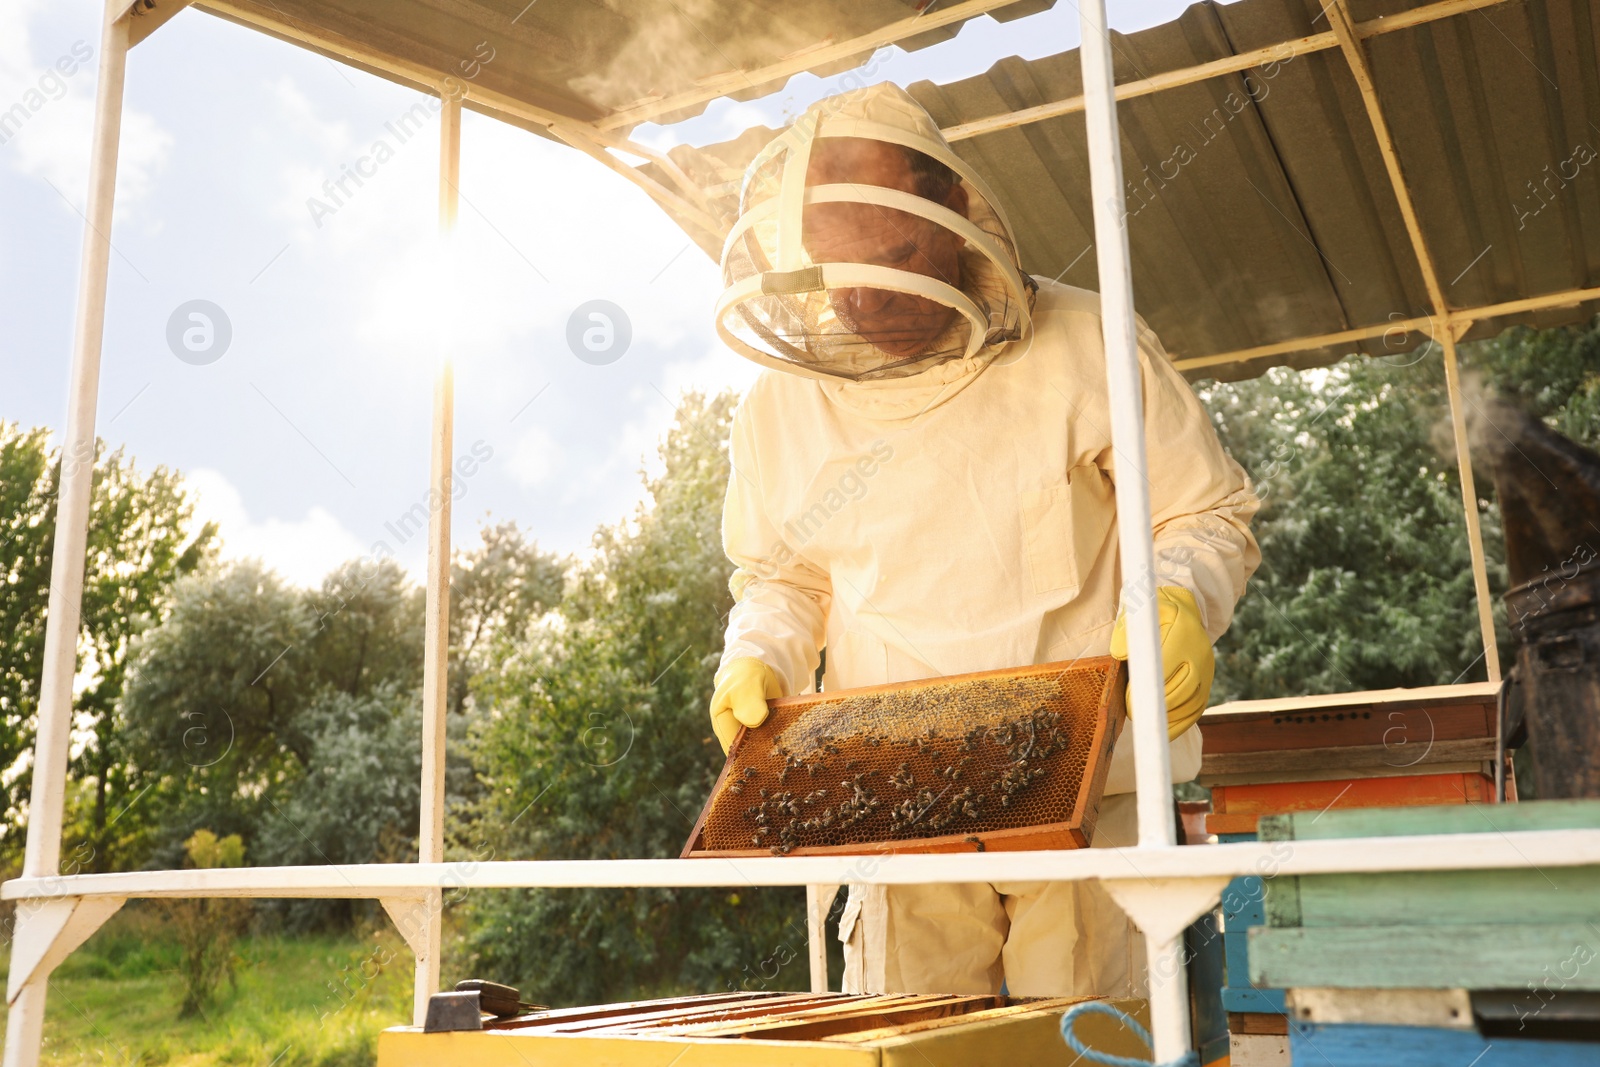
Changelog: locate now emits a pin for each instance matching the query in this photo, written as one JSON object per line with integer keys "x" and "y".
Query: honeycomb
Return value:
{"x": 952, "y": 758}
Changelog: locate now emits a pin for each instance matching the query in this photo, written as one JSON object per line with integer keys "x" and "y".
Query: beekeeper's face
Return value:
{"x": 900, "y": 324}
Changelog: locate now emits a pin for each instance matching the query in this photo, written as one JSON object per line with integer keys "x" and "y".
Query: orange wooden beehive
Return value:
{"x": 1006, "y": 760}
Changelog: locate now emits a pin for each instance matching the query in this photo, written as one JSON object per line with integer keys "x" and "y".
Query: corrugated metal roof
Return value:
{"x": 591, "y": 59}
{"x": 1260, "y": 209}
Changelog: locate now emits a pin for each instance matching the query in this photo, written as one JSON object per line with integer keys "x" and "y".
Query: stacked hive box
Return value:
{"x": 1202, "y": 943}
{"x": 1314, "y": 754}
{"x": 1415, "y": 969}
{"x": 752, "y": 1029}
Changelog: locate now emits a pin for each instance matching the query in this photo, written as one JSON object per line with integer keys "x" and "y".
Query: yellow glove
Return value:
{"x": 1187, "y": 662}
{"x": 744, "y": 686}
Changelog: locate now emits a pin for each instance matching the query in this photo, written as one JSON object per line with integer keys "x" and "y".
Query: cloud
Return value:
{"x": 302, "y": 118}
{"x": 302, "y": 550}
{"x": 47, "y": 83}
{"x": 342, "y": 324}
{"x": 717, "y": 370}
{"x": 534, "y": 457}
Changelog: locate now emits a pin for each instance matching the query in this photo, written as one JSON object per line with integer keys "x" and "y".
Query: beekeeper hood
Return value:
{"x": 866, "y": 249}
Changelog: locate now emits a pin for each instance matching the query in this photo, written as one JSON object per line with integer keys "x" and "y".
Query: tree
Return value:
{"x": 137, "y": 548}
{"x": 207, "y": 927}
{"x": 1366, "y": 579}
{"x": 27, "y": 528}
{"x": 357, "y": 801}
{"x": 214, "y": 710}
{"x": 293, "y": 717}
{"x": 597, "y": 746}
{"x": 496, "y": 590}
{"x": 139, "y": 544}
{"x": 1555, "y": 374}
{"x": 368, "y": 628}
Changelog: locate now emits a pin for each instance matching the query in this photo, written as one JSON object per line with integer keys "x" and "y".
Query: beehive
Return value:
{"x": 769, "y": 1029}
{"x": 1007, "y": 760}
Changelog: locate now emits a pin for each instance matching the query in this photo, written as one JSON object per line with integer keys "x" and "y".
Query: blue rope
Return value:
{"x": 1100, "y": 1007}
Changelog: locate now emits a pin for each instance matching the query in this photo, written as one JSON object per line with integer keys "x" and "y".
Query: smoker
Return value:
{"x": 1549, "y": 490}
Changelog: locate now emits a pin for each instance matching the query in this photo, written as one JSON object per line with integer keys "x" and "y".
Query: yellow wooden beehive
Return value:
{"x": 767, "y": 1029}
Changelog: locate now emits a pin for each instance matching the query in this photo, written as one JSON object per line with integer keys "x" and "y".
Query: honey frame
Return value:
{"x": 1076, "y": 831}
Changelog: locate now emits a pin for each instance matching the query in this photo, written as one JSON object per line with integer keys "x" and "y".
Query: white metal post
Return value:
{"x": 1152, "y": 764}
{"x": 42, "y": 860}
{"x": 1169, "y": 1012}
{"x": 436, "y": 641}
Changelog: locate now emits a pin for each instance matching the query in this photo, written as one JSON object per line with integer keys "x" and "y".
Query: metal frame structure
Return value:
{"x": 1162, "y": 887}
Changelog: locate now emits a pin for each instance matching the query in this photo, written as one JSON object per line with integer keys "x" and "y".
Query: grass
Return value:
{"x": 297, "y": 1002}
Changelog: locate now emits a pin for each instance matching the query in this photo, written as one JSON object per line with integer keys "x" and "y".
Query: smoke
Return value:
{"x": 651, "y": 62}
{"x": 1548, "y": 486}
{"x": 1492, "y": 422}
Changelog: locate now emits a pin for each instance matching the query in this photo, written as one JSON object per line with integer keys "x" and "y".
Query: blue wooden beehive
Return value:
{"x": 1508, "y": 959}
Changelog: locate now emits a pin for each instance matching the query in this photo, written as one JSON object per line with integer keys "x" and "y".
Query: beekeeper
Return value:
{"x": 922, "y": 485}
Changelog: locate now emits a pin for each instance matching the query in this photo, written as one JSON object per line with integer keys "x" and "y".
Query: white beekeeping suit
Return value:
{"x": 929, "y": 491}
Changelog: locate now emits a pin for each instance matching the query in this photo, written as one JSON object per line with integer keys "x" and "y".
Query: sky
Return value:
{"x": 278, "y": 343}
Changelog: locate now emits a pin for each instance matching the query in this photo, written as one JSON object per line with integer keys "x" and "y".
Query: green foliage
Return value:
{"x": 293, "y": 717}
{"x": 139, "y": 543}
{"x": 213, "y": 714}
{"x": 27, "y": 526}
{"x": 306, "y": 1001}
{"x": 283, "y": 714}
{"x": 368, "y": 629}
{"x": 1553, "y": 373}
{"x": 497, "y": 589}
{"x": 1366, "y": 578}
{"x": 358, "y": 800}
{"x": 598, "y": 746}
{"x": 207, "y": 927}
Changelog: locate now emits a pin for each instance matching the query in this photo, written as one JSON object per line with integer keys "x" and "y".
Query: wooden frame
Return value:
{"x": 1075, "y": 831}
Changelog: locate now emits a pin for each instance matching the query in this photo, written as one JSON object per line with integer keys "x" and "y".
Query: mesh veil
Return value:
{"x": 785, "y": 307}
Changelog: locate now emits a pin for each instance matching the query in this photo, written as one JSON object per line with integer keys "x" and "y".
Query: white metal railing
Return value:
{"x": 1491, "y": 849}
{"x": 1161, "y": 886}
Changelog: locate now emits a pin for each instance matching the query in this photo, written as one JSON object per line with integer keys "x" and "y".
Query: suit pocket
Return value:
{"x": 1064, "y": 528}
